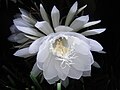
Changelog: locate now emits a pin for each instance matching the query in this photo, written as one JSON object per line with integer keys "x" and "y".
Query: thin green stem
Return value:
{"x": 35, "y": 82}
{"x": 59, "y": 86}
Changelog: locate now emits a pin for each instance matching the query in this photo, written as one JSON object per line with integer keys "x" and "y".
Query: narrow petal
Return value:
{"x": 35, "y": 70}
{"x": 29, "y": 19}
{"x": 91, "y": 23}
{"x": 55, "y": 15}
{"x": 49, "y": 70}
{"x": 86, "y": 73}
{"x": 24, "y": 12}
{"x": 34, "y": 47}
{"x": 63, "y": 29}
{"x": 44, "y": 27}
{"x": 82, "y": 8}
{"x": 19, "y": 38}
{"x": 23, "y": 53}
{"x": 95, "y": 64}
{"x": 27, "y": 16}
{"x": 31, "y": 37}
{"x": 93, "y": 32}
{"x": 103, "y": 52}
{"x": 43, "y": 13}
{"x": 21, "y": 22}
{"x": 13, "y": 29}
{"x": 28, "y": 30}
{"x": 73, "y": 73}
{"x": 79, "y": 22}
{"x": 71, "y": 13}
{"x": 95, "y": 46}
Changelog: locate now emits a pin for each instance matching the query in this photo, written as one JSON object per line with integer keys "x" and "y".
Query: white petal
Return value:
{"x": 55, "y": 15}
{"x": 62, "y": 73}
{"x": 44, "y": 27}
{"x": 75, "y": 74}
{"x": 79, "y": 10}
{"x": 21, "y": 22}
{"x": 93, "y": 32}
{"x": 40, "y": 65}
{"x": 95, "y": 46}
{"x": 82, "y": 62}
{"x": 91, "y": 23}
{"x": 31, "y": 37}
{"x": 86, "y": 73}
{"x": 28, "y": 30}
{"x": 23, "y": 53}
{"x": 49, "y": 70}
{"x": 44, "y": 52}
{"x": 82, "y": 49}
{"x": 79, "y": 22}
{"x": 52, "y": 81}
{"x": 43, "y": 13}
{"x": 71, "y": 13}
{"x": 63, "y": 29}
{"x": 79, "y": 45}
{"x": 34, "y": 47}
{"x": 95, "y": 64}
{"x": 35, "y": 70}
{"x": 78, "y": 35}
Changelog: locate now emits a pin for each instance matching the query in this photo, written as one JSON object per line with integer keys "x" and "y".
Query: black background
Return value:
{"x": 106, "y": 78}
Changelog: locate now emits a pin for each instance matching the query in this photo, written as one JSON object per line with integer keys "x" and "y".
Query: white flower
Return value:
{"x": 61, "y": 52}
{"x": 64, "y": 54}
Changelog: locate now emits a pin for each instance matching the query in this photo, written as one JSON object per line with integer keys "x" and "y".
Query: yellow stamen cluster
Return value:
{"x": 59, "y": 48}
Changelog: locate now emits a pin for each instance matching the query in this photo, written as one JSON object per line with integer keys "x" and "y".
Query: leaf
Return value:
{"x": 11, "y": 80}
{"x": 10, "y": 72}
{"x": 14, "y": 1}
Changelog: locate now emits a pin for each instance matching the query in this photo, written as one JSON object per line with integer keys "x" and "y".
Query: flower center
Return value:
{"x": 59, "y": 49}
{"x": 63, "y": 53}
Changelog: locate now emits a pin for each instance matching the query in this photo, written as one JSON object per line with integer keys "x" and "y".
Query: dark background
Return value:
{"x": 106, "y": 78}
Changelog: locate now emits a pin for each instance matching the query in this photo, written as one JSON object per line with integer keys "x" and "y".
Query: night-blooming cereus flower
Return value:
{"x": 61, "y": 52}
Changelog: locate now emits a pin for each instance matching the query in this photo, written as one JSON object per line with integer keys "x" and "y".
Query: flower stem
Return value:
{"x": 59, "y": 86}
{"x": 35, "y": 82}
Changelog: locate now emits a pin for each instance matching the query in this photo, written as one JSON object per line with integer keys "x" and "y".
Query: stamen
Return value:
{"x": 64, "y": 54}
